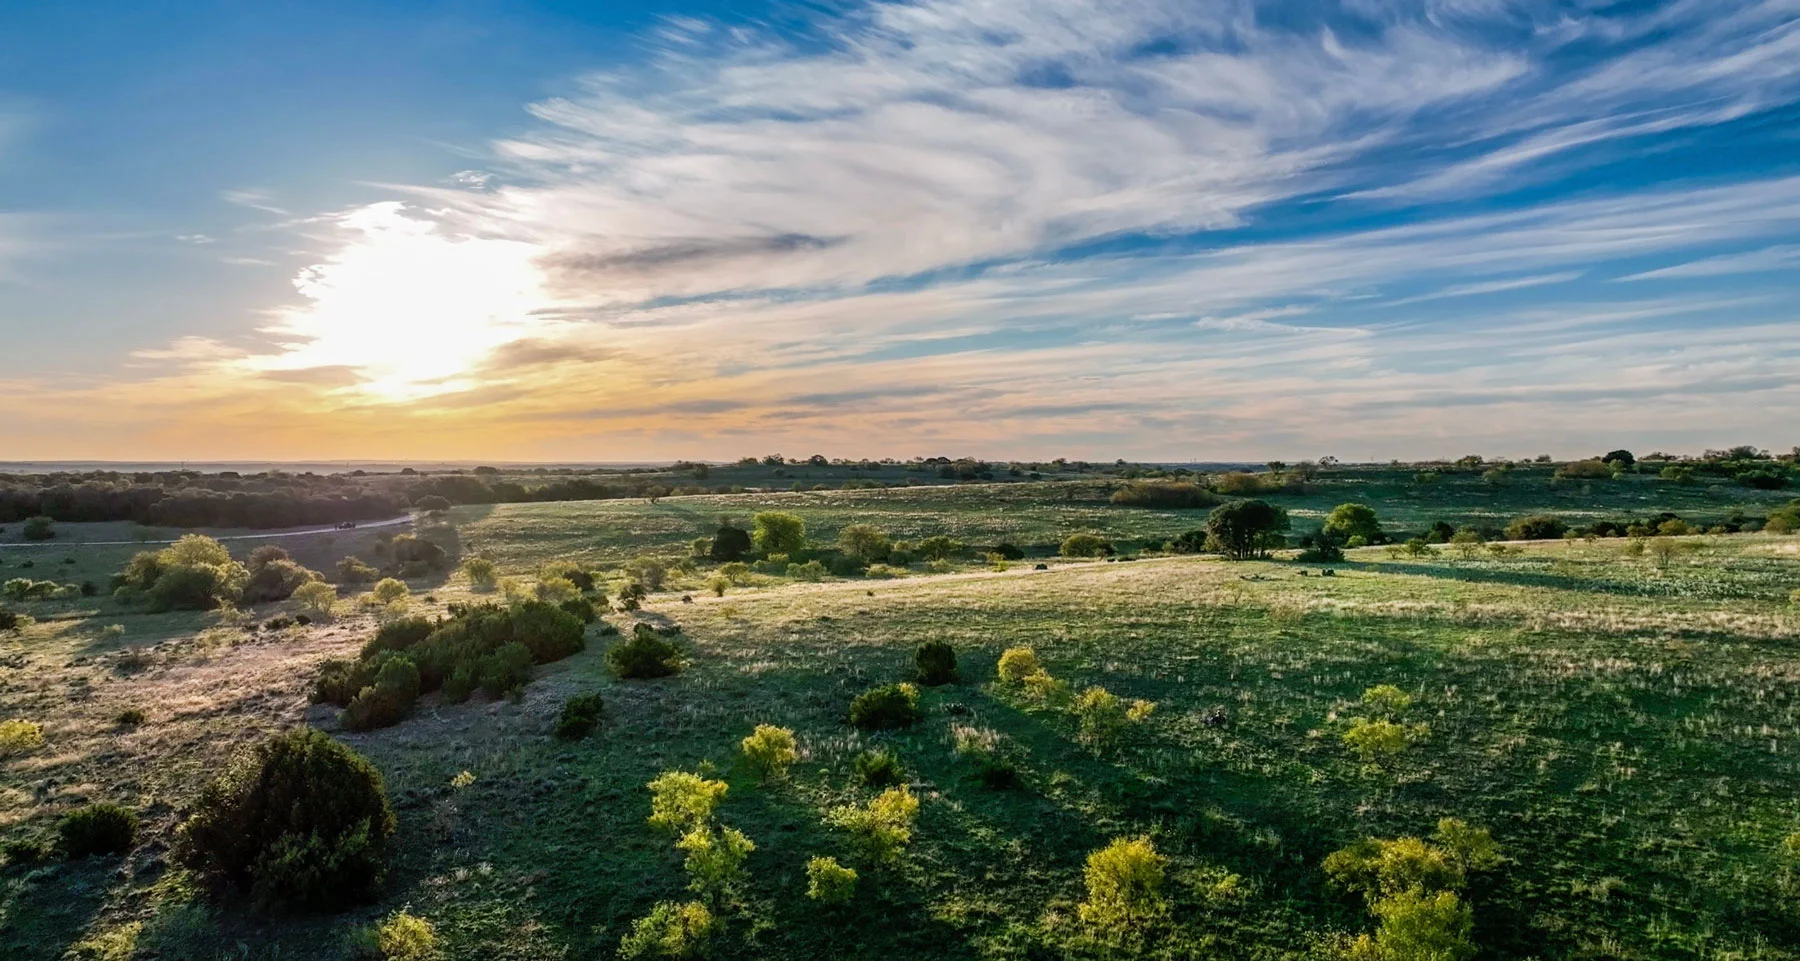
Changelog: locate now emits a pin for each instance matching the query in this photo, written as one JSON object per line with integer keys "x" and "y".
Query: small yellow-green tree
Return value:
{"x": 770, "y": 751}
{"x": 681, "y": 802}
{"x": 829, "y": 882}
{"x": 1124, "y": 884}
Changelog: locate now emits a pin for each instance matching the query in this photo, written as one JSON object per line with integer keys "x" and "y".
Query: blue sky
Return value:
{"x": 1142, "y": 228}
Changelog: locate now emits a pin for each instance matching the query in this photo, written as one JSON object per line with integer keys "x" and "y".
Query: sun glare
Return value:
{"x": 407, "y": 310}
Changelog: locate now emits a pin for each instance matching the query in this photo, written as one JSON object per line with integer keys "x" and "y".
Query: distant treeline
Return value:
{"x": 183, "y": 499}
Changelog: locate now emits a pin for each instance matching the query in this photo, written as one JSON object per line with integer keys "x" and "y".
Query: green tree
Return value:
{"x": 778, "y": 532}
{"x": 864, "y": 541}
{"x": 1354, "y": 520}
{"x": 1244, "y": 529}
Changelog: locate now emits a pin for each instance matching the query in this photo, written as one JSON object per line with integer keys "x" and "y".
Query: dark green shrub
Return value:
{"x": 300, "y": 821}
{"x": 879, "y": 769}
{"x": 550, "y": 632}
{"x": 196, "y": 587}
{"x": 388, "y": 700}
{"x": 935, "y": 662}
{"x": 340, "y": 680}
{"x": 645, "y": 655}
{"x": 1164, "y": 494}
{"x": 26, "y": 850}
{"x": 581, "y": 607}
{"x": 1009, "y": 551}
{"x": 130, "y": 717}
{"x": 352, "y": 570}
{"x": 580, "y": 715}
{"x": 729, "y": 544}
{"x": 97, "y": 829}
{"x": 9, "y": 619}
{"x": 38, "y": 529}
{"x": 1245, "y": 529}
{"x": 399, "y": 635}
{"x": 458, "y": 686}
{"x": 1537, "y": 527}
{"x": 506, "y": 670}
{"x": 275, "y": 579}
{"x": 885, "y": 707}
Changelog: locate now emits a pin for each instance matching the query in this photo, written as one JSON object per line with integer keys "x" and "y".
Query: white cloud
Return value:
{"x": 1783, "y": 257}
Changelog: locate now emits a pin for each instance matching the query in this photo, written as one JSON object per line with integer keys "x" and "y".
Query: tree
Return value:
{"x": 778, "y": 532}
{"x": 1621, "y": 458}
{"x": 1244, "y": 529}
{"x": 1537, "y": 527}
{"x": 432, "y": 504}
{"x": 729, "y": 543}
{"x": 38, "y": 529}
{"x": 1354, "y": 520}
{"x": 864, "y": 542}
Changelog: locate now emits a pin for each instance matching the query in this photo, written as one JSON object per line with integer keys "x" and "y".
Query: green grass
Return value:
{"x": 1627, "y": 730}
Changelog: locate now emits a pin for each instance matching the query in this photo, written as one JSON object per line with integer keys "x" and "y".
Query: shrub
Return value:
{"x": 770, "y": 751}
{"x": 388, "y": 700}
{"x": 1381, "y": 742}
{"x": 388, "y": 590}
{"x": 582, "y": 608}
{"x": 935, "y": 663}
{"x": 9, "y": 619}
{"x": 38, "y": 529}
{"x": 399, "y": 635}
{"x": 718, "y": 584}
{"x": 505, "y": 669}
{"x": 881, "y": 829}
{"x": 432, "y": 503}
{"x": 580, "y": 716}
{"x": 275, "y": 579}
{"x": 715, "y": 860}
{"x": 1124, "y": 884}
{"x": 316, "y": 600}
{"x": 994, "y": 766}
{"x": 681, "y": 802}
{"x": 863, "y": 541}
{"x": 1085, "y": 545}
{"x": 811, "y": 571}
{"x": 97, "y": 829}
{"x": 1041, "y": 687}
{"x": 18, "y": 736}
{"x": 352, "y": 571}
{"x": 1018, "y": 663}
{"x": 648, "y": 571}
{"x": 646, "y": 655}
{"x": 886, "y": 707}
{"x": 1245, "y": 529}
{"x": 1414, "y": 924}
{"x": 1536, "y": 527}
{"x": 878, "y": 769}
{"x": 299, "y": 821}
{"x": 939, "y": 547}
{"x": 1103, "y": 716}
{"x": 1354, "y": 520}
{"x": 1164, "y": 494}
{"x": 776, "y": 532}
{"x": 729, "y": 543}
{"x": 1593, "y": 469}
{"x": 1386, "y": 700}
{"x": 130, "y": 717}
{"x": 481, "y": 574}
{"x": 829, "y": 882}
{"x": 670, "y": 930}
{"x": 195, "y": 587}
{"x": 402, "y": 936}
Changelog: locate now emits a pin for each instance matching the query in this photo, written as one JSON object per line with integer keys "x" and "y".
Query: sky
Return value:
{"x": 1155, "y": 229}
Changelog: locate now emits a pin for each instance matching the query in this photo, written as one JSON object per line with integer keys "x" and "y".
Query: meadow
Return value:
{"x": 1621, "y": 720}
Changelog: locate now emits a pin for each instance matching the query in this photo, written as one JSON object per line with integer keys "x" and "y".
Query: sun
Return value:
{"x": 406, "y": 309}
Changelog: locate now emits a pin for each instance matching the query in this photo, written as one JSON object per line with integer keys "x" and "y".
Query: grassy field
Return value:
{"x": 1625, "y": 726}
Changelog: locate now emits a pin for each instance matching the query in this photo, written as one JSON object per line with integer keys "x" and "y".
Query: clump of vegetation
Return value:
{"x": 935, "y": 663}
{"x": 681, "y": 802}
{"x": 646, "y": 655}
{"x": 777, "y": 532}
{"x": 1537, "y": 527}
{"x": 195, "y": 573}
{"x": 130, "y": 717}
{"x": 1103, "y": 716}
{"x": 1380, "y": 741}
{"x": 1165, "y": 495}
{"x": 38, "y": 529}
{"x": 1018, "y": 663}
{"x": 486, "y": 647}
{"x": 671, "y": 930}
{"x": 97, "y": 829}
{"x": 988, "y": 749}
{"x": 880, "y": 830}
{"x": 864, "y": 542}
{"x": 10, "y": 620}
{"x": 878, "y": 769}
{"x": 299, "y": 821}
{"x": 1245, "y": 529}
{"x": 1348, "y": 521}
{"x": 715, "y": 860}
{"x": 886, "y": 707}
{"x": 770, "y": 751}
{"x": 352, "y": 571}
{"x": 316, "y": 600}
{"x": 401, "y": 936}
{"x": 1124, "y": 884}
{"x": 1085, "y": 545}
{"x": 829, "y": 882}
{"x": 274, "y": 576}
{"x": 481, "y": 574}
{"x": 580, "y": 715}
{"x": 1413, "y": 888}
{"x": 18, "y": 736}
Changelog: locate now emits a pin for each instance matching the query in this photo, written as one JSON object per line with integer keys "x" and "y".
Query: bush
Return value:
{"x": 352, "y": 571}
{"x": 681, "y": 802}
{"x": 580, "y": 716}
{"x": 880, "y": 830}
{"x": 939, "y": 547}
{"x": 481, "y": 574}
{"x": 97, "y": 829}
{"x": 811, "y": 571}
{"x": 1537, "y": 527}
{"x": 18, "y": 736}
{"x": 432, "y": 503}
{"x": 935, "y": 663}
{"x": 670, "y": 931}
{"x": 403, "y": 936}
{"x": 388, "y": 590}
{"x": 38, "y": 529}
{"x": 645, "y": 655}
{"x": 776, "y": 532}
{"x": 878, "y": 769}
{"x": 715, "y": 860}
{"x": 1103, "y": 716}
{"x": 1164, "y": 494}
{"x": 130, "y": 717}
{"x": 1124, "y": 884}
{"x": 1354, "y": 520}
{"x": 505, "y": 669}
{"x": 9, "y": 619}
{"x": 770, "y": 751}
{"x": 316, "y": 600}
{"x": 1085, "y": 545}
{"x": 864, "y": 542}
{"x": 1415, "y": 924}
{"x": 1381, "y": 742}
{"x": 388, "y": 700}
{"x": 829, "y": 882}
{"x": 582, "y": 581}
{"x": 582, "y": 608}
{"x": 886, "y": 707}
{"x": 1018, "y": 663}
{"x": 729, "y": 543}
{"x": 1593, "y": 469}
{"x": 275, "y": 579}
{"x": 300, "y": 821}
